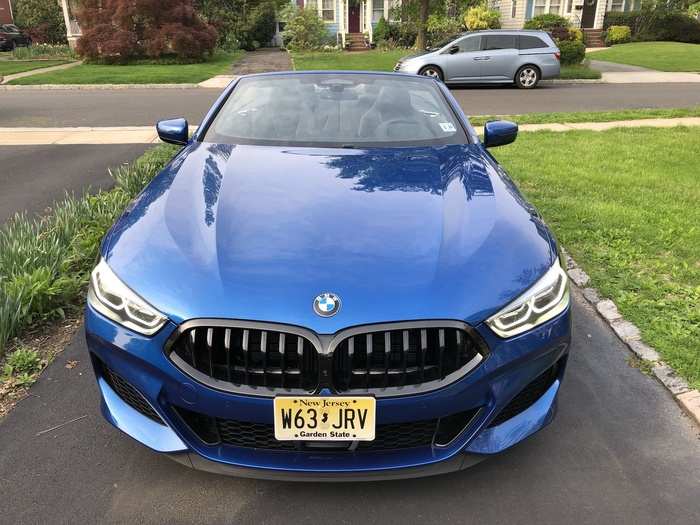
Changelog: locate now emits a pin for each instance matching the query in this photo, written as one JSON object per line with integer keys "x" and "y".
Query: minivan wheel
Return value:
{"x": 431, "y": 71}
{"x": 527, "y": 77}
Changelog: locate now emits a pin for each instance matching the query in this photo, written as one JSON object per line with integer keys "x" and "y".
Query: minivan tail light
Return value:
{"x": 557, "y": 56}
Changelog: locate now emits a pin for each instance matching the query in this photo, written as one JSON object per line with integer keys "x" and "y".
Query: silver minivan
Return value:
{"x": 488, "y": 57}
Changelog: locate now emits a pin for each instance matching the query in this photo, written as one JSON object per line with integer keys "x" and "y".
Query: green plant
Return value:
{"x": 547, "y": 22}
{"x": 572, "y": 52}
{"x": 481, "y": 17}
{"x": 43, "y": 51}
{"x": 22, "y": 361}
{"x": 45, "y": 263}
{"x": 304, "y": 29}
{"x": 694, "y": 10}
{"x": 440, "y": 27}
{"x": 381, "y": 30}
{"x": 42, "y": 19}
{"x": 618, "y": 35}
{"x": 575, "y": 34}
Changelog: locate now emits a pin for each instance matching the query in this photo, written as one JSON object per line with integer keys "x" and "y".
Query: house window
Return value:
{"x": 328, "y": 10}
{"x": 569, "y": 5}
{"x": 554, "y": 6}
{"x": 513, "y": 8}
{"x": 540, "y": 7}
{"x": 377, "y": 10}
{"x": 311, "y": 4}
{"x": 617, "y": 5}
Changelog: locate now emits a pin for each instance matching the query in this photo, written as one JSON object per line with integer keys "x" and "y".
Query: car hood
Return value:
{"x": 257, "y": 232}
{"x": 419, "y": 54}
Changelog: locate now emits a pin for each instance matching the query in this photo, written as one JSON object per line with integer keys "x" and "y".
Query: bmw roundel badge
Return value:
{"x": 327, "y": 304}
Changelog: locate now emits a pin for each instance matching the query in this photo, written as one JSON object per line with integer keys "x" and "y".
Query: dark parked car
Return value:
{"x": 11, "y": 37}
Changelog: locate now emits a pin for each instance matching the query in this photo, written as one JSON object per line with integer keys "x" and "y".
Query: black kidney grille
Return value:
{"x": 395, "y": 358}
{"x": 252, "y": 357}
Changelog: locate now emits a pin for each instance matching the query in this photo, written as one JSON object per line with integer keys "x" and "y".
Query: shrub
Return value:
{"x": 258, "y": 27}
{"x": 572, "y": 52}
{"x": 631, "y": 19}
{"x": 304, "y": 29}
{"x": 575, "y": 34}
{"x": 618, "y": 35}
{"x": 671, "y": 26}
{"x": 42, "y": 19}
{"x": 45, "y": 263}
{"x": 43, "y": 51}
{"x": 547, "y": 22}
{"x": 440, "y": 27}
{"x": 481, "y": 17}
{"x": 116, "y": 31}
{"x": 381, "y": 30}
{"x": 694, "y": 10}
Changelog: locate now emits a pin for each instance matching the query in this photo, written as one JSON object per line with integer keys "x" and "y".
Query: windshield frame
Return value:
{"x": 466, "y": 134}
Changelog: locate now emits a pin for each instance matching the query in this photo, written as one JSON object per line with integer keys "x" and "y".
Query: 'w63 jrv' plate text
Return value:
{"x": 324, "y": 418}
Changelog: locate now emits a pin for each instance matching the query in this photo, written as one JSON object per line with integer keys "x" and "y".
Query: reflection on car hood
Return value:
{"x": 256, "y": 232}
{"x": 416, "y": 55}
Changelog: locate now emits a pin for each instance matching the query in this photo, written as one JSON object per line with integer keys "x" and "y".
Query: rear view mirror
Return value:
{"x": 173, "y": 131}
{"x": 453, "y": 50}
{"x": 499, "y": 133}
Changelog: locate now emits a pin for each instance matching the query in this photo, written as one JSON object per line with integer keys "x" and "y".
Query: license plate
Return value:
{"x": 324, "y": 418}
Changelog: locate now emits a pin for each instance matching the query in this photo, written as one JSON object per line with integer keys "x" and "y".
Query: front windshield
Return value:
{"x": 442, "y": 43}
{"x": 336, "y": 110}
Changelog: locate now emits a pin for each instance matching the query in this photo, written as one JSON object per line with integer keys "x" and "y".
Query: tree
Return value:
{"x": 423, "y": 12}
{"x": 120, "y": 30}
{"x": 42, "y": 19}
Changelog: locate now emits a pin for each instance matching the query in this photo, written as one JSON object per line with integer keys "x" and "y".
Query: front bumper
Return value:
{"x": 511, "y": 366}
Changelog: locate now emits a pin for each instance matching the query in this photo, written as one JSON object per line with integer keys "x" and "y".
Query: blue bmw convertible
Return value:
{"x": 332, "y": 280}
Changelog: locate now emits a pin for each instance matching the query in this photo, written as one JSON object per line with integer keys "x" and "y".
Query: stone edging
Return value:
{"x": 687, "y": 398}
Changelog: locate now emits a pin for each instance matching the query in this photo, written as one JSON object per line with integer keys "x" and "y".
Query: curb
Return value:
{"x": 95, "y": 87}
{"x": 628, "y": 333}
{"x": 573, "y": 81}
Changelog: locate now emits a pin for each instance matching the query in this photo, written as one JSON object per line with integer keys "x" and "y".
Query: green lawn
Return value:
{"x": 592, "y": 116}
{"x": 10, "y": 67}
{"x": 627, "y": 210}
{"x": 663, "y": 56}
{"x": 137, "y": 73}
{"x": 376, "y": 60}
{"x": 363, "y": 60}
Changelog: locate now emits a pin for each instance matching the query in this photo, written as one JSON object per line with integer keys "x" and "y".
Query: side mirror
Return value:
{"x": 173, "y": 131}
{"x": 499, "y": 133}
{"x": 453, "y": 50}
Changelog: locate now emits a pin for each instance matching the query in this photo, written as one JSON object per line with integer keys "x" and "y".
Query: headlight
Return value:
{"x": 113, "y": 299}
{"x": 546, "y": 299}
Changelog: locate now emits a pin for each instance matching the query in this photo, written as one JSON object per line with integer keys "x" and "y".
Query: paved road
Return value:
{"x": 33, "y": 177}
{"x": 144, "y": 107}
{"x": 620, "y": 451}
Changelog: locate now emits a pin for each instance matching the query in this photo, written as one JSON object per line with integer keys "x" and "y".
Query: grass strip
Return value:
{"x": 661, "y": 56}
{"x": 45, "y": 262}
{"x": 627, "y": 211}
{"x": 590, "y": 116}
{"x": 138, "y": 73}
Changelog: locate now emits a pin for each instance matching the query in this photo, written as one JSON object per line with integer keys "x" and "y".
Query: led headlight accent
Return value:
{"x": 545, "y": 300}
{"x": 113, "y": 299}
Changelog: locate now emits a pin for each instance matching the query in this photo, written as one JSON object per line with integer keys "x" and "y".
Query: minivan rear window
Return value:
{"x": 531, "y": 42}
{"x": 500, "y": 42}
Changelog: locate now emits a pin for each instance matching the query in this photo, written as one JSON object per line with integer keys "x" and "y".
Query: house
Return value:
{"x": 586, "y": 14}
{"x": 6, "y": 12}
{"x": 73, "y": 32}
{"x": 351, "y": 21}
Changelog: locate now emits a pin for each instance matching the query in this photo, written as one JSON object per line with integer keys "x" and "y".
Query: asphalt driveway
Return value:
{"x": 619, "y": 451}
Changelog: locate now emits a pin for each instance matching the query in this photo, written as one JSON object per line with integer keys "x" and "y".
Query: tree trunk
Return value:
{"x": 422, "y": 21}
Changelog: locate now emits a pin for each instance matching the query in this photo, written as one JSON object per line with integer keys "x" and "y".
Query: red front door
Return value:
{"x": 354, "y": 18}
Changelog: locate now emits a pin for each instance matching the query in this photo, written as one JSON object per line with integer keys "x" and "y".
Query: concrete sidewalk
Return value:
{"x": 148, "y": 135}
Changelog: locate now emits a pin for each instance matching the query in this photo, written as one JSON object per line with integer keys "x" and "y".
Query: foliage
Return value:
{"x": 21, "y": 361}
{"x": 304, "y": 29}
{"x": 657, "y": 23}
{"x": 42, "y": 19}
{"x": 481, "y": 17}
{"x": 116, "y": 31}
{"x": 398, "y": 35}
{"x": 43, "y": 51}
{"x": 618, "y": 35}
{"x": 381, "y": 30}
{"x": 258, "y": 27}
{"x": 578, "y": 71}
{"x": 547, "y": 22}
{"x": 45, "y": 262}
{"x": 572, "y": 52}
{"x": 694, "y": 10}
{"x": 575, "y": 34}
{"x": 440, "y": 27}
